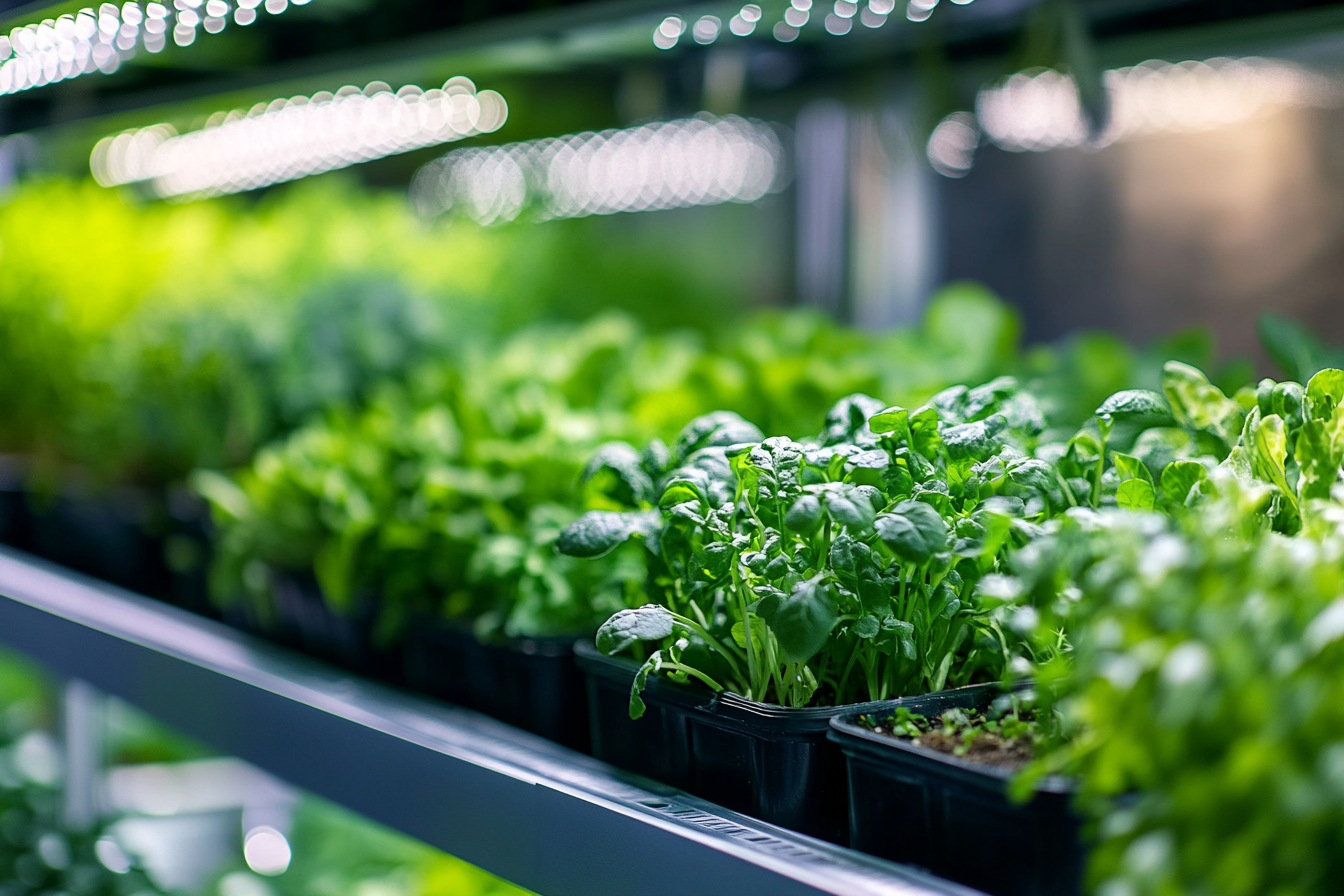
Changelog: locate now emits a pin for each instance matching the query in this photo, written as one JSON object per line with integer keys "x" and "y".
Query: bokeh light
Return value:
{"x": 288, "y": 139}
{"x": 696, "y": 161}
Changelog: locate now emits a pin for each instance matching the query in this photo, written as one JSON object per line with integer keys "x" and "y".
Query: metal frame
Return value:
{"x": 545, "y": 817}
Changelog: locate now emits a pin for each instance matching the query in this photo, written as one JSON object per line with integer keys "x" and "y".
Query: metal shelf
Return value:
{"x": 547, "y": 818}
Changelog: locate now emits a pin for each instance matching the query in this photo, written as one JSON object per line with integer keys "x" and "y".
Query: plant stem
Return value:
{"x": 678, "y": 667}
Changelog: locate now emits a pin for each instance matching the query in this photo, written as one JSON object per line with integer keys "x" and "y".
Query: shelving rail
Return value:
{"x": 545, "y": 817}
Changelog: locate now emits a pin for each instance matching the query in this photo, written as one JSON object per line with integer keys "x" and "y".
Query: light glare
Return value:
{"x": 697, "y": 161}
{"x": 1039, "y": 110}
{"x": 289, "y": 139}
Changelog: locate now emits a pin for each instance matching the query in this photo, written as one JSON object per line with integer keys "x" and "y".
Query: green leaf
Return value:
{"x": 849, "y": 507}
{"x": 625, "y": 465}
{"x": 739, "y": 631}
{"x": 647, "y": 623}
{"x": 1179, "y": 478}
{"x": 1201, "y": 408}
{"x": 847, "y": 421}
{"x": 924, "y": 432}
{"x": 856, "y": 568}
{"x": 913, "y": 531}
{"x": 1130, "y": 467}
{"x": 1136, "y": 406}
{"x": 1319, "y": 452}
{"x": 867, "y": 627}
{"x": 682, "y": 491}
{"x": 719, "y": 429}
{"x": 892, "y": 420}
{"x": 1326, "y": 391}
{"x": 1136, "y": 494}
{"x": 805, "y": 515}
{"x": 651, "y": 665}
{"x": 801, "y": 620}
{"x": 897, "y": 638}
{"x": 1269, "y": 450}
{"x": 976, "y": 441}
{"x": 599, "y": 532}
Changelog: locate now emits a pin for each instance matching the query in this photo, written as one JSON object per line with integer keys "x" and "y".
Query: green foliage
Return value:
{"x": 1200, "y": 698}
{"x": 846, "y": 567}
{"x": 446, "y": 495}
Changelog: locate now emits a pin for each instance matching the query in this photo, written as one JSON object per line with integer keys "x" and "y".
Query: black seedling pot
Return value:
{"x": 953, "y": 817}
{"x": 154, "y": 543}
{"x": 305, "y": 621}
{"x": 656, "y": 745}
{"x": 530, "y": 683}
{"x": 772, "y": 762}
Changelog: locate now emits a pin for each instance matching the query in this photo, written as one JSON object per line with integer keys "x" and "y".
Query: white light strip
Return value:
{"x": 673, "y": 164}
{"x": 88, "y": 41}
{"x": 1039, "y": 110}
{"x": 792, "y": 19}
{"x": 289, "y": 139}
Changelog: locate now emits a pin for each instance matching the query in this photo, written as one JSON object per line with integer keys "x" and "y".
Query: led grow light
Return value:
{"x": 672, "y": 164}
{"x": 77, "y": 44}
{"x": 289, "y": 139}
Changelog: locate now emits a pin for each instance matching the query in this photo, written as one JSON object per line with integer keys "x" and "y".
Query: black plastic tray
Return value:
{"x": 772, "y": 762}
{"x": 658, "y": 745}
{"x": 925, "y": 808}
{"x": 530, "y": 683}
{"x": 153, "y": 543}
{"x": 303, "y": 620}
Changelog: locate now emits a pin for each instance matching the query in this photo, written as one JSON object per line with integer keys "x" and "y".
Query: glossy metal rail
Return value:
{"x": 552, "y": 820}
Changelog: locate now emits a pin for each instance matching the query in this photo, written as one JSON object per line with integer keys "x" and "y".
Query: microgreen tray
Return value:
{"x": 922, "y": 807}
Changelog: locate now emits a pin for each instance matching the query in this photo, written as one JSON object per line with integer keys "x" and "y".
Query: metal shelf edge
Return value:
{"x": 545, "y": 817}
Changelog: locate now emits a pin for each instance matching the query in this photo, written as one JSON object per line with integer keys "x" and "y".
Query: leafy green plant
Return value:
{"x": 837, "y": 570}
{"x": 1199, "y": 699}
{"x": 444, "y": 497}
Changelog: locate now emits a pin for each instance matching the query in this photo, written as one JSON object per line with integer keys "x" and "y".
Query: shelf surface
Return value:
{"x": 549, "y": 819}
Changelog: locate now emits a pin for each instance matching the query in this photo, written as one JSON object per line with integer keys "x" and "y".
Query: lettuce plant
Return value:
{"x": 840, "y": 569}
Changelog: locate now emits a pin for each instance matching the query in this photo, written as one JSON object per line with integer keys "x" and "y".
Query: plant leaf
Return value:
{"x": 647, "y": 623}
{"x": 1201, "y": 408}
{"x": 913, "y": 530}
{"x": 1325, "y": 391}
{"x": 976, "y": 441}
{"x": 599, "y": 532}
{"x": 1136, "y": 494}
{"x": 1137, "y": 406}
{"x": 1179, "y": 478}
{"x": 801, "y": 620}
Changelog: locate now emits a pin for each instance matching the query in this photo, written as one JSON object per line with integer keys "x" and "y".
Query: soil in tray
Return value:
{"x": 1007, "y": 743}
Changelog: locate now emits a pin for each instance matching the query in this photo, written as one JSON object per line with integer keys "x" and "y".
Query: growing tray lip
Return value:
{"x": 853, "y": 737}
{"x": 723, "y": 705}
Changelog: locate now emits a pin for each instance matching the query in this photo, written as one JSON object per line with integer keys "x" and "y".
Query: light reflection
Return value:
{"x": 697, "y": 161}
{"x": 289, "y": 139}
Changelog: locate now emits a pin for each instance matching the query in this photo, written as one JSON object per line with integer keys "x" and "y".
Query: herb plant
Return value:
{"x": 836, "y": 570}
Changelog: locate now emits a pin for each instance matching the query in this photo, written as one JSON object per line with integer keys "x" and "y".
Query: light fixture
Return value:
{"x": 91, "y": 40}
{"x": 288, "y": 139}
{"x": 703, "y": 160}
